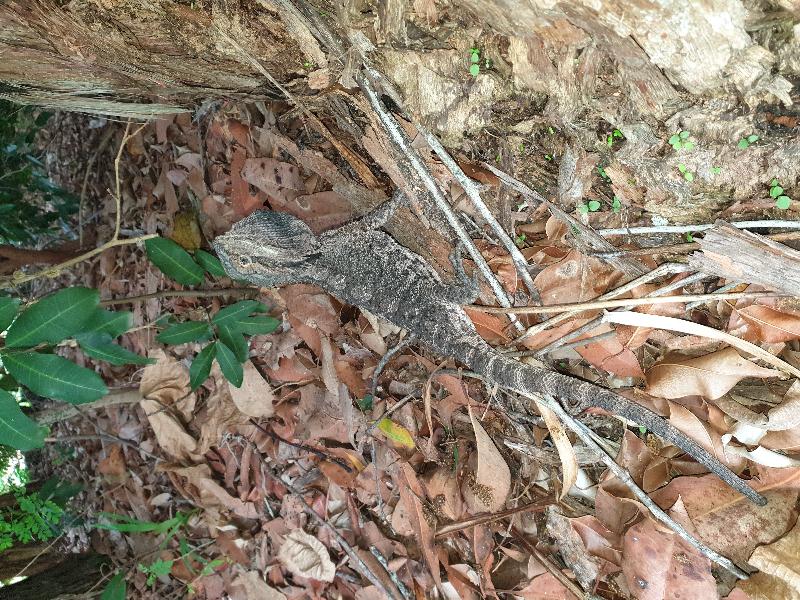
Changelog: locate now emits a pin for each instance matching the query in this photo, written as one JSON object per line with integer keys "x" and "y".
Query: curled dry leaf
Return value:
{"x": 305, "y": 556}
{"x": 710, "y": 376}
{"x": 778, "y": 562}
{"x": 566, "y": 453}
{"x": 488, "y": 490}
{"x": 703, "y": 434}
{"x": 255, "y": 397}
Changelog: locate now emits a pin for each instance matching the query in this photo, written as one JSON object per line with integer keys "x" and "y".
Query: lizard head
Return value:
{"x": 266, "y": 248}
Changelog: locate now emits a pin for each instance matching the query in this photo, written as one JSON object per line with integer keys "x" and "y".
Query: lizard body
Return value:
{"x": 367, "y": 268}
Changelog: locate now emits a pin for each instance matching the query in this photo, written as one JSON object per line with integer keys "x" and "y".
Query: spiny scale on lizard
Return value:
{"x": 369, "y": 269}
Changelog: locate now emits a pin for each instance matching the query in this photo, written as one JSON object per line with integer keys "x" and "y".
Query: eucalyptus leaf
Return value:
{"x": 175, "y": 262}
{"x": 231, "y": 367}
{"x": 53, "y": 376}
{"x": 182, "y": 333}
{"x": 8, "y": 310}
{"x": 53, "y": 318}
{"x": 201, "y": 365}
{"x": 16, "y": 429}
{"x": 255, "y": 325}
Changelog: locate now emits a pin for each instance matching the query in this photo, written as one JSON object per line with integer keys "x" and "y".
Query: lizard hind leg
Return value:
{"x": 465, "y": 289}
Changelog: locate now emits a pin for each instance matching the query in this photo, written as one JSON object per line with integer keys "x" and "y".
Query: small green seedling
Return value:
{"x": 689, "y": 237}
{"x": 548, "y": 157}
{"x": 616, "y": 205}
{"x": 681, "y": 141}
{"x": 475, "y": 60}
{"x": 614, "y": 136}
{"x": 687, "y": 174}
{"x": 745, "y": 142}
{"x": 602, "y": 172}
{"x": 520, "y": 239}
{"x": 591, "y": 206}
{"x": 782, "y": 201}
{"x": 716, "y": 170}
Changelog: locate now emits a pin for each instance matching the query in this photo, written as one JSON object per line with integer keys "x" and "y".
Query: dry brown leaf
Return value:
{"x": 267, "y": 174}
{"x": 490, "y": 327}
{"x": 612, "y": 356}
{"x": 186, "y": 230}
{"x": 441, "y": 487}
{"x": 566, "y": 453}
{"x": 219, "y": 415}
{"x": 657, "y": 564}
{"x": 163, "y": 384}
{"x": 726, "y": 520}
{"x": 411, "y": 494}
{"x": 255, "y": 396}
{"x": 251, "y": 586}
{"x": 492, "y": 482}
{"x": 786, "y": 415}
{"x": 779, "y": 564}
{"x": 766, "y": 324}
{"x": 703, "y": 434}
{"x": 305, "y": 556}
{"x": 209, "y": 494}
{"x": 710, "y": 376}
{"x": 321, "y": 211}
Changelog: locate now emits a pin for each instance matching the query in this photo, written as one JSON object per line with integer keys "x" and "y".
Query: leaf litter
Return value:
{"x": 387, "y": 469}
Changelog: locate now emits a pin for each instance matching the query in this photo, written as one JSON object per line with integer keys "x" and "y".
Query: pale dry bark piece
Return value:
{"x": 745, "y": 256}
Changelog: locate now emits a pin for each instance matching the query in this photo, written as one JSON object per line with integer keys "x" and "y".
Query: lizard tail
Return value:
{"x": 528, "y": 379}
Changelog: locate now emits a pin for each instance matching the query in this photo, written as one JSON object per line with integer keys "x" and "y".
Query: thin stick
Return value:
{"x": 474, "y": 195}
{"x": 686, "y": 248}
{"x": 179, "y": 294}
{"x": 695, "y": 228}
{"x": 490, "y": 517}
{"x": 585, "y": 436}
{"x": 385, "y": 361}
{"x": 600, "y": 304}
{"x": 400, "y": 139}
{"x": 303, "y": 447}
{"x": 392, "y": 574}
{"x": 100, "y": 147}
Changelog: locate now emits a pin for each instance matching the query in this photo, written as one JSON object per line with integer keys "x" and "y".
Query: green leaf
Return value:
{"x": 231, "y": 367}
{"x": 752, "y": 138}
{"x": 775, "y": 191}
{"x": 583, "y": 208}
{"x": 126, "y": 524}
{"x": 682, "y": 167}
{"x": 675, "y": 139}
{"x": 688, "y": 145}
{"x": 231, "y": 314}
{"x": 53, "y": 376}
{"x": 616, "y": 205}
{"x": 475, "y": 57}
{"x": 473, "y": 70}
{"x": 173, "y": 261}
{"x": 114, "y": 323}
{"x": 210, "y": 263}
{"x": 774, "y": 182}
{"x": 117, "y": 588}
{"x": 53, "y": 318}
{"x": 190, "y": 331}
{"x": 201, "y": 365}
{"x": 594, "y": 205}
{"x": 743, "y": 144}
{"x": 235, "y": 341}
{"x": 783, "y": 202}
{"x": 100, "y": 347}
{"x": 716, "y": 170}
{"x": 397, "y": 433}
{"x": 688, "y": 176}
{"x": 684, "y": 134}
{"x": 8, "y": 310}
{"x": 16, "y": 429}
{"x": 261, "y": 325}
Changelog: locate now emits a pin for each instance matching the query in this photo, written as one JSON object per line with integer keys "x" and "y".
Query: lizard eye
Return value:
{"x": 245, "y": 262}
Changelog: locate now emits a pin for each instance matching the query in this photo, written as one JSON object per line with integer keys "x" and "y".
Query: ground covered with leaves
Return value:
{"x": 333, "y": 473}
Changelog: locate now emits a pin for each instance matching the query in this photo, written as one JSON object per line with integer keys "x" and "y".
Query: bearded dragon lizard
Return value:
{"x": 367, "y": 268}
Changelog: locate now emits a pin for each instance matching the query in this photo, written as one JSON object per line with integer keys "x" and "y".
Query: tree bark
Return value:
{"x": 52, "y": 575}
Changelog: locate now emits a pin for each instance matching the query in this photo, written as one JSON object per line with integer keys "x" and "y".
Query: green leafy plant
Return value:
{"x": 681, "y": 141}
{"x": 614, "y": 136}
{"x": 474, "y": 60}
{"x": 30, "y": 204}
{"x": 745, "y": 142}
{"x": 716, "y": 170}
{"x": 591, "y": 206}
{"x": 37, "y": 516}
{"x": 28, "y": 359}
{"x": 782, "y": 201}
{"x": 602, "y": 172}
{"x": 116, "y": 589}
{"x": 616, "y": 205}
{"x": 520, "y": 239}
{"x": 687, "y": 174}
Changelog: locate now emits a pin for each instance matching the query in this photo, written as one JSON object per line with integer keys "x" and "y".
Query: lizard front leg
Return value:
{"x": 465, "y": 289}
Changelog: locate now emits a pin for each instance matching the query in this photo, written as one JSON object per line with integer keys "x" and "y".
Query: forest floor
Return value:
{"x": 398, "y": 476}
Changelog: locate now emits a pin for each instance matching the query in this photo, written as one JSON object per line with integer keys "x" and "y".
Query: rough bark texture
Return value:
{"x": 746, "y": 256}
{"x": 60, "y": 575}
{"x": 717, "y": 68}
